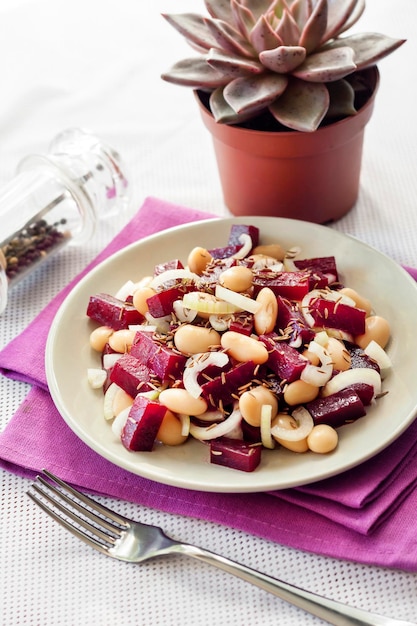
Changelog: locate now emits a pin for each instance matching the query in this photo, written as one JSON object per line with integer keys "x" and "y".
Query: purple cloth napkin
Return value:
{"x": 366, "y": 514}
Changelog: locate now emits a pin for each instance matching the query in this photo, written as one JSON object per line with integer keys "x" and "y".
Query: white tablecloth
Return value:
{"x": 96, "y": 64}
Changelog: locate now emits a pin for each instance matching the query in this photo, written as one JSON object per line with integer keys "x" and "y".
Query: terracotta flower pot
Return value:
{"x": 309, "y": 176}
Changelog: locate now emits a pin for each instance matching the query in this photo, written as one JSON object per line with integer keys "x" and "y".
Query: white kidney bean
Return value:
{"x": 322, "y": 439}
{"x": 265, "y": 317}
{"x": 274, "y": 250}
{"x": 340, "y": 356}
{"x": 100, "y": 337}
{"x": 140, "y": 297}
{"x": 198, "y": 259}
{"x": 121, "y": 401}
{"x": 237, "y": 278}
{"x": 251, "y": 402}
{"x": 121, "y": 340}
{"x": 376, "y": 328}
{"x": 300, "y": 392}
{"x": 169, "y": 432}
{"x": 190, "y": 339}
{"x": 244, "y": 348}
{"x": 180, "y": 400}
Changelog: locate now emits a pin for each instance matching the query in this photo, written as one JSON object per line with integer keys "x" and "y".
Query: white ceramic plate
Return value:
{"x": 392, "y": 292}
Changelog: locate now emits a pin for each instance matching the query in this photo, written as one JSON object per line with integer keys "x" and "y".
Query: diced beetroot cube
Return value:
{"x": 242, "y": 323}
{"x": 364, "y": 391}
{"x": 162, "y": 360}
{"x": 109, "y": 311}
{"x": 330, "y": 314}
{"x": 174, "y": 264}
{"x": 161, "y": 303}
{"x": 358, "y": 358}
{"x": 131, "y": 375}
{"x": 340, "y": 408}
{"x": 284, "y": 360}
{"x": 323, "y": 265}
{"x": 251, "y": 434}
{"x": 235, "y": 454}
{"x": 225, "y": 251}
{"x": 142, "y": 425}
{"x": 291, "y": 322}
{"x": 290, "y": 285}
{"x": 238, "y": 229}
{"x": 222, "y": 390}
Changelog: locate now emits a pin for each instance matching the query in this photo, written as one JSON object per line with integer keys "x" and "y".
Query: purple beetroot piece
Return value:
{"x": 329, "y": 314}
{"x": 162, "y": 360}
{"x": 222, "y": 390}
{"x": 321, "y": 265}
{"x": 131, "y": 375}
{"x": 291, "y": 321}
{"x": 290, "y": 285}
{"x": 338, "y": 409}
{"x": 109, "y": 311}
{"x": 235, "y": 454}
{"x": 142, "y": 425}
{"x": 284, "y": 360}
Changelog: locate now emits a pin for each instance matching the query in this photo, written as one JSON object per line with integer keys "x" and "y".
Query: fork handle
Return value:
{"x": 333, "y": 612}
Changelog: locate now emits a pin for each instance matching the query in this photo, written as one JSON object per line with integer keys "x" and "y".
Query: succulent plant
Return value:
{"x": 285, "y": 56}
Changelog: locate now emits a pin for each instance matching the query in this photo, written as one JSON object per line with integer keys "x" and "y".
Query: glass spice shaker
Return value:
{"x": 56, "y": 199}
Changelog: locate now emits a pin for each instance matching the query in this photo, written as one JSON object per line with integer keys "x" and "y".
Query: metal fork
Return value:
{"x": 134, "y": 542}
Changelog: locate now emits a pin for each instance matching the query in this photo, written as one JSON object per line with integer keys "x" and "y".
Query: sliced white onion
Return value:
{"x": 207, "y": 303}
{"x": 318, "y": 375}
{"x": 290, "y": 255}
{"x": 378, "y": 354}
{"x": 246, "y": 241}
{"x": 322, "y": 294}
{"x": 168, "y": 275}
{"x": 266, "y": 418}
{"x": 109, "y": 396}
{"x": 119, "y": 422}
{"x": 197, "y": 364}
{"x": 125, "y": 290}
{"x": 96, "y": 377}
{"x": 212, "y": 416}
{"x": 237, "y": 299}
{"x": 185, "y": 424}
{"x": 365, "y": 375}
{"x": 304, "y": 422}
{"x": 219, "y": 322}
{"x": 260, "y": 262}
{"x": 162, "y": 324}
{"x": 182, "y": 313}
{"x": 217, "y": 430}
{"x": 147, "y": 328}
{"x": 110, "y": 359}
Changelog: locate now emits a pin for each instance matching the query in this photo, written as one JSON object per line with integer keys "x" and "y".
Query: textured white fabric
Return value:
{"x": 96, "y": 64}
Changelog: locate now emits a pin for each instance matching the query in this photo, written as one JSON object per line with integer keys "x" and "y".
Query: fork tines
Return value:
{"x": 88, "y": 520}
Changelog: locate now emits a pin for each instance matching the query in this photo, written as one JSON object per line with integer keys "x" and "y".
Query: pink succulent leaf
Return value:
{"x": 228, "y": 38}
{"x": 284, "y": 59}
{"x": 302, "y": 106}
{"x": 220, "y": 9}
{"x": 315, "y": 27}
{"x": 195, "y": 73}
{"x": 301, "y": 11}
{"x": 243, "y": 18}
{"x": 222, "y": 111}
{"x": 263, "y": 36}
{"x": 288, "y": 30}
{"x": 342, "y": 99}
{"x": 327, "y": 66}
{"x": 259, "y": 7}
{"x": 233, "y": 64}
{"x": 339, "y": 13}
{"x": 354, "y": 16}
{"x": 369, "y": 48}
{"x": 254, "y": 93}
{"x": 193, "y": 28}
